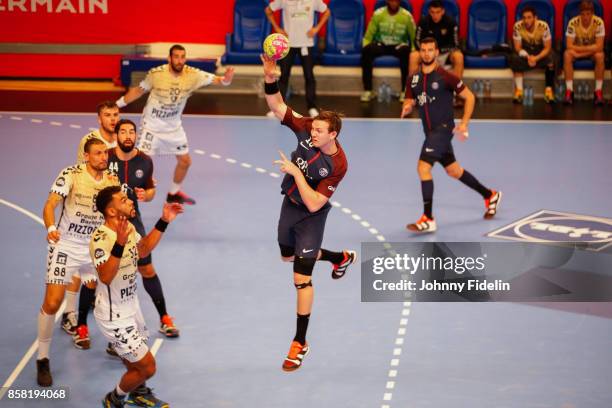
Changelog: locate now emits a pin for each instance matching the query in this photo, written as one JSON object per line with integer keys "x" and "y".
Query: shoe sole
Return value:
{"x": 171, "y": 336}
{"x": 70, "y": 333}
{"x": 410, "y": 228}
{"x": 487, "y": 216}
{"x": 82, "y": 347}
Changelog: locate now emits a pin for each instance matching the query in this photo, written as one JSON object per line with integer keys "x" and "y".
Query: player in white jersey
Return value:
{"x": 108, "y": 116}
{"x": 68, "y": 259}
{"x": 115, "y": 248}
{"x": 170, "y": 86}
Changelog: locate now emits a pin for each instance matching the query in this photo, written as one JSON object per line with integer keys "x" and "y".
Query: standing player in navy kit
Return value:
{"x": 135, "y": 171}
{"x": 311, "y": 177}
{"x": 432, "y": 89}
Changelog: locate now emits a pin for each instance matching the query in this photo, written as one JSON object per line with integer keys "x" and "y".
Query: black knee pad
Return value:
{"x": 299, "y": 286}
{"x": 304, "y": 266}
{"x": 286, "y": 251}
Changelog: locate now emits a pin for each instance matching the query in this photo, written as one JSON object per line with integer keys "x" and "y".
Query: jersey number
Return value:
{"x": 114, "y": 167}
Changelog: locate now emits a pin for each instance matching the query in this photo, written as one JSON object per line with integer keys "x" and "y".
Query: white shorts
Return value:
{"x": 128, "y": 336}
{"x": 67, "y": 259}
{"x": 153, "y": 143}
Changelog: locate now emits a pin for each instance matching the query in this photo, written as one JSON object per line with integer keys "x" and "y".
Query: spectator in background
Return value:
{"x": 584, "y": 40}
{"x": 390, "y": 32}
{"x": 299, "y": 28}
{"x": 443, "y": 28}
{"x": 532, "y": 49}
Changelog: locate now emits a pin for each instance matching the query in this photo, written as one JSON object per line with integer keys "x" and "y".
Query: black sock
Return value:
{"x": 86, "y": 297}
{"x": 333, "y": 257}
{"x": 141, "y": 389}
{"x": 474, "y": 184}
{"x": 154, "y": 289}
{"x": 116, "y": 398}
{"x": 549, "y": 75}
{"x": 301, "y": 327}
{"x": 427, "y": 190}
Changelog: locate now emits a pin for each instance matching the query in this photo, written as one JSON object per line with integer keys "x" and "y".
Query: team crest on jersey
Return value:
{"x": 60, "y": 182}
{"x": 139, "y": 173}
{"x": 99, "y": 253}
{"x": 415, "y": 81}
{"x": 62, "y": 258}
{"x": 434, "y": 85}
{"x": 443, "y": 31}
{"x": 323, "y": 172}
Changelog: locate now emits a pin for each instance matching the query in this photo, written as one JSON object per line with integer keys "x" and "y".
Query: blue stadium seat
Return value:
{"x": 403, "y": 3}
{"x": 486, "y": 27}
{"x": 451, "y": 8}
{"x": 545, "y": 10}
{"x": 570, "y": 11}
{"x": 251, "y": 27}
{"x": 344, "y": 33}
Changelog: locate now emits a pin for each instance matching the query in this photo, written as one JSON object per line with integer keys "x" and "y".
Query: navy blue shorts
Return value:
{"x": 438, "y": 147}
{"x": 300, "y": 229}
{"x": 137, "y": 223}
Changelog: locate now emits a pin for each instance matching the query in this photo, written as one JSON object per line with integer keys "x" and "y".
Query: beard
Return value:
{"x": 177, "y": 68}
{"x": 100, "y": 166}
{"x": 125, "y": 148}
{"x": 428, "y": 63}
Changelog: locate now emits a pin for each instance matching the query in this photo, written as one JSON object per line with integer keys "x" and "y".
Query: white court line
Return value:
{"x": 75, "y": 126}
{"x": 28, "y": 354}
{"x": 53, "y": 123}
{"x": 156, "y": 345}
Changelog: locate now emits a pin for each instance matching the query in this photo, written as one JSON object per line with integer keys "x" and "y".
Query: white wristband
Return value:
{"x": 51, "y": 228}
{"x": 225, "y": 83}
{"x": 523, "y": 53}
{"x": 121, "y": 102}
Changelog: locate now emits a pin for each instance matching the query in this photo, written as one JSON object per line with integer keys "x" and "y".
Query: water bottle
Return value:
{"x": 381, "y": 92}
{"x": 579, "y": 91}
{"x": 526, "y": 96}
{"x": 480, "y": 89}
{"x": 587, "y": 92}
{"x": 560, "y": 91}
{"x": 487, "y": 89}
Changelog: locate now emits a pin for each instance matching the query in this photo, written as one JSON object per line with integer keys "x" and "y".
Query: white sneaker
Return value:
{"x": 423, "y": 225}
{"x": 312, "y": 112}
{"x": 271, "y": 115}
{"x": 367, "y": 96}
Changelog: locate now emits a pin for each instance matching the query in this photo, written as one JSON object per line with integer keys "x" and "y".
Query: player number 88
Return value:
{"x": 59, "y": 271}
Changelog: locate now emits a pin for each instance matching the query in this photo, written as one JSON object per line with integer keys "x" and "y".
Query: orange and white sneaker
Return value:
{"x": 492, "y": 203}
{"x": 81, "y": 338}
{"x": 167, "y": 327}
{"x": 423, "y": 225}
{"x": 297, "y": 352}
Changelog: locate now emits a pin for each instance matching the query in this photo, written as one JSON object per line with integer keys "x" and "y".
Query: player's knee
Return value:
{"x": 184, "y": 160}
{"x": 454, "y": 172}
{"x": 286, "y": 252}
{"x": 457, "y": 57}
{"x": 303, "y": 266}
{"x": 568, "y": 55}
{"x": 51, "y": 305}
{"x": 150, "y": 369}
{"x": 147, "y": 271}
{"x": 599, "y": 56}
{"x": 287, "y": 258}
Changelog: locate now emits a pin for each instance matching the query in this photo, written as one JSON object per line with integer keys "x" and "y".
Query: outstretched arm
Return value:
{"x": 130, "y": 96}
{"x": 274, "y": 100}
{"x": 148, "y": 243}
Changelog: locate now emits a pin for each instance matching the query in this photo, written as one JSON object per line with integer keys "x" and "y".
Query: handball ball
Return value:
{"x": 276, "y": 46}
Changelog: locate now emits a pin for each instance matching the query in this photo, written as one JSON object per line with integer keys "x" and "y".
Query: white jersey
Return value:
{"x": 298, "y": 18}
{"x": 169, "y": 94}
{"x": 79, "y": 189}
{"x": 117, "y": 300}
{"x": 92, "y": 135}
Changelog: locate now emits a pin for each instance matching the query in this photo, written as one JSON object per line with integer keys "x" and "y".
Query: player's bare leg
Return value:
{"x": 183, "y": 162}
{"x": 491, "y": 197}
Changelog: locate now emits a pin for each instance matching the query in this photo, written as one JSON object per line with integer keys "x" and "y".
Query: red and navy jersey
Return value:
{"x": 322, "y": 172}
{"x": 137, "y": 172}
{"x": 433, "y": 94}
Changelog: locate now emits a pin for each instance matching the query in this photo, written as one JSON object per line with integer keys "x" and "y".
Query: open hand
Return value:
{"x": 124, "y": 228}
{"x": 140, "y": 193}
{"x": 170, "y": 211}
{"x": 461, "y": 132}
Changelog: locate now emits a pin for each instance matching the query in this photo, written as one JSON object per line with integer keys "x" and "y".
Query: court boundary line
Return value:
{"x": 263, "y": 117}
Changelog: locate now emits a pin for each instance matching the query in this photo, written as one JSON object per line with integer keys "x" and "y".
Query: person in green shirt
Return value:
{"x": 391, "y": 31}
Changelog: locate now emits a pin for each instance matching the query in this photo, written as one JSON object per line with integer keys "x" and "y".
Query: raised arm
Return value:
{"x": 274, "y": 98}
{"x": 148, "y": 243}
{"x": 109, "y": 268}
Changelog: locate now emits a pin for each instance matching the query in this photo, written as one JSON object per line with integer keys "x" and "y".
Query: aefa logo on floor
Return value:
{"x": 554, "y": 226}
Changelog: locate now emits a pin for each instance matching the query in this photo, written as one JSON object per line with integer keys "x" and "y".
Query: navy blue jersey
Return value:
{"x": 322, "y": 172}
{"x": 445, "y": 32}
{"x": 434, "y": 96}
{"x": 137, "y": 172}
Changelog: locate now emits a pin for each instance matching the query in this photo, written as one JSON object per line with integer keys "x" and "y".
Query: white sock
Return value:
{"x": 71, "y": 299}
{"x": 518, "y": 82}
{"x": 174, "y": 188}
{"x": 598, "y": 84}
{"x": 569, "y": 85}
{"x": 45, "y": 333}
{"x": 119, "y": 391}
